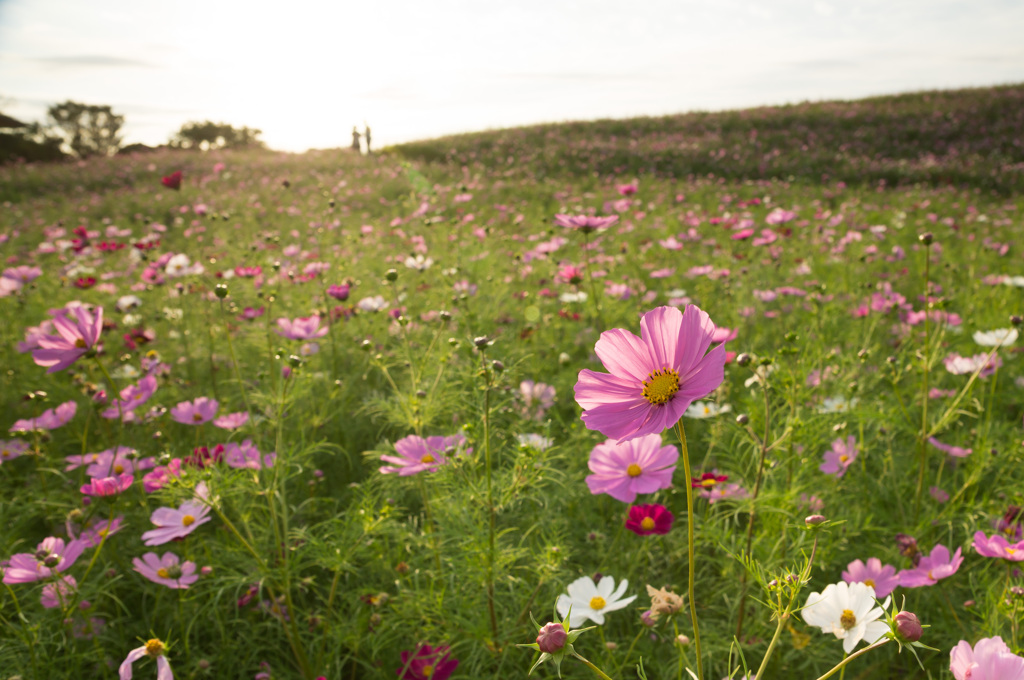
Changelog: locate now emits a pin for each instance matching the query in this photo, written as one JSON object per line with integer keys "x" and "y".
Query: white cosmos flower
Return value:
{"x": 837, "y": 405}
{"x": 579, "y": 296}
{"x": 591, "y": 600}
{"x": 1000, "y": 337}
{"x": 706, "y": 409}
{"x": 419, "y": 262}
{"x": 848, "y": 611}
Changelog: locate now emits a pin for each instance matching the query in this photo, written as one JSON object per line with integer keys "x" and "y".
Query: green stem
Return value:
{"x": 490, "y": 501}
{"x": 690, "y": 549}
{"x": 598, "y": 671}
{"x": 590, "y": 280}
{"x": 925, "y": 365}
{"x": 842, "y": 664}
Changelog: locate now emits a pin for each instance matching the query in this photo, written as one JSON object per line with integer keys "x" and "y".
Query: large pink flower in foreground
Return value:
{"x": 998, "y": 546}
{"x": 74, "y": 339}
{"x": 990, "y": 659}
{"x": 641, "y": 465}
{"x": 652, "y": 379}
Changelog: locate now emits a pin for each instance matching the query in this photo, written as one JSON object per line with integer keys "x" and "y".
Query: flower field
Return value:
{"x": 732, "y": 395}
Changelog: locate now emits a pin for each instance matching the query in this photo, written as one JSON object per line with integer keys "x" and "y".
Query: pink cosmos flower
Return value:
{"x": 161, "y": 475}
{"x": 998, "y": 546}
{"x": 23, "y": 274}
{"x": 780, "y": 216}
{"x": 427, "y": 663}
{"x": 72, "y": 341}
{"x": 955, "y": 451}
{"x": 932, "y": 568}
{"x": 721, "y": 492}
{"x": 94, "y": 534}
{"x": 302, "y": 328}
{"x": 839, "y": 457}
{"x": 247, "y": 456}
{"x": 623, "y": 470}
{"x": 172, "y": 524}
{"x": 652, "y": 379}
{"x": 881, "y": 577}
{"x": 167, "y": 570}
{"x": 50, "y": 419}
{"x": 649, "y": 519}
{"x": 339, "y": 291}
{"x": 585, "y": 223}
{"x": 108, "y": 486}
{"x": 11, "y": 449}
{"x": 132, "y": 397}
{"x": 416, "y": 454}
{"x": 51, "y": 557}
{"x": 232, "y": 421}
{"x": 58, "y": 593}
{"x": 536, "y": 394}
{"x": 112, "y": 462}
{"x": 989, "y": 659}
{"x": 197, "y": 412}
{"x": 154, "y": 649}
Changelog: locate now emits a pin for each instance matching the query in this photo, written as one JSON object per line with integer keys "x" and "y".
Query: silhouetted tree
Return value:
{"x": 87, "y": 130}
{"x": 210, "y": 135}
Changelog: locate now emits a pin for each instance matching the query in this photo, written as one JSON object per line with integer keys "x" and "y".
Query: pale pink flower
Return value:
{"x": 639, "y": 465}
{"x": 72, "y": 340}
{"x": 167, "y": 570}
{"x": 172, "y": 524}
{"x": 196, "y": 412}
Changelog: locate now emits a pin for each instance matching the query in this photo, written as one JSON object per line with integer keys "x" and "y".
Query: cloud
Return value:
{"x": 92, "y": 60}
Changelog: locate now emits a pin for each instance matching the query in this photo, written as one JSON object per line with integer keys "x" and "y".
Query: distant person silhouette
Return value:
{"x": 355, "y": 139}
{"x": 367, "y": 136}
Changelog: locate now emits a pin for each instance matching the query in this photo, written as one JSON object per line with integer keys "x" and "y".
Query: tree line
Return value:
{"x": 85, "y": 130}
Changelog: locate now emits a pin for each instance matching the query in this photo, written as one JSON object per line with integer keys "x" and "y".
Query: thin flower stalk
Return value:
{"x": 925, "y": 366}
{"x": 690, "y": 547}
{"x": 842, "y": 664}
{"x": 492, "y": 519}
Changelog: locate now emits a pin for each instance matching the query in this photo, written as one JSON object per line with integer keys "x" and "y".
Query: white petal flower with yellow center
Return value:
{"x": 1000, "y": 337}
{"x": 848, "y": 611}
{"x": 706, "y": 409}
{"x": 591, "y": 600}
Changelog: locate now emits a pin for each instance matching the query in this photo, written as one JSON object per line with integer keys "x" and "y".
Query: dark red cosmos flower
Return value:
{"x": 427, "y": 663}
{"x": 649, "y": 519}
{"x": 708, "y": 480}
{"x": 173, "y": 180}
{"x": 85, "y": 282}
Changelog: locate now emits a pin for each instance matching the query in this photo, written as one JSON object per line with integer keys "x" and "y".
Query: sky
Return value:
{"x": 305, "y": 72}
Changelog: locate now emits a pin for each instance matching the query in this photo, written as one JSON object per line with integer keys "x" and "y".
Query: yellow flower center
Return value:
{"x": 661, "y": 386}
{"x": 1010, "y": 551}
{"x": 80, "y": 343}
{"x": 427, "y": 459}
{"x": 597, "y": 602}
{"x": 634, "y": 470}
{"x": 196, "y": 417}
{"x": 869, "y": 582}
{"x": 710, "y": 481}
{"x": 427, "y": 671}
{"x": 187, "y": 521}
{"x": 5, "y": 453}
{"x": 847, "y": 620}
{"x": 163, "y": 573}
{"x": 118, "y": 468}
{"x": 843, "y": 458}
{"x": 154, "y": 648}
{"x": 647, "y": 524}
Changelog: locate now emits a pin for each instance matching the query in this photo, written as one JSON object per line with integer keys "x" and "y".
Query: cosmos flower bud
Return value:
{"x": 221, "y": 291}
{"x": 926, "y": 238}
{"x": 742, "y": 419}
{"x": 908, "y": 627}
{"x": 391, "y": 275}
{"x": 743, "y": 359}
{"x": 814, "y": 520}
{"x": 552, "y": 637}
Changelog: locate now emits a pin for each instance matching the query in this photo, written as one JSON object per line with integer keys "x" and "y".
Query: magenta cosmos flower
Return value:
{"x": 132, "y": 397}
{"x": 197, "y": 412}
{"x": 427, "y": 663}
{"x": 998, "y": 546}
{"x": 839, "y": 457}
{"x": 955, "y": 451}
{"x": 640, "y": 465}
{"x": 232, "y": 421}
{"x": 172, "y": 524}
{"x": 154, "y": 649}
{"x": 51, "y": 557}
{"x": 652, "y": 379}
{"x": 302, "y": 328}
{"x": 932, "y": 568}
{"x": 167, "y": 570}
{"x": 989, "y": 659}
{"x": 59, "y": 592}
{"x": 649, "y": 519}
{"x": 73, "y": 340}
{"x": 881, "y": 577}
{"x": 416, "y": 454}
